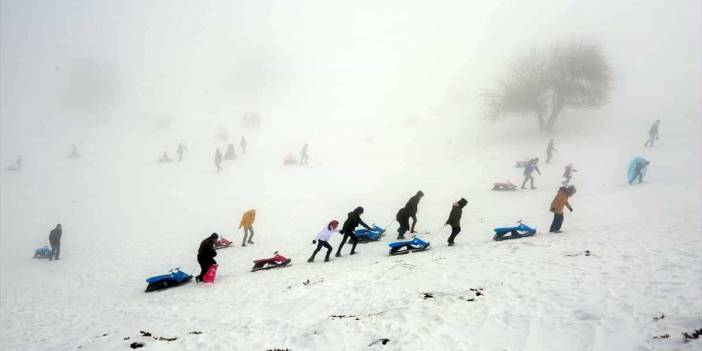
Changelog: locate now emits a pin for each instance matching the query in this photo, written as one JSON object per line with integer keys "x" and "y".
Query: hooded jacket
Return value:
{"x": 412, "y": 203}
{"x": 248, "y": 219}
{"x": 353, "y": 220}
{"x": 454, "y": 218}
{"x": 327, "y": 231}
{"x": 206, "y": 250}
{"x": 560, "y": 201}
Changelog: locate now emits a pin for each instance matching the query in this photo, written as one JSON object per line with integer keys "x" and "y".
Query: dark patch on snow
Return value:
{"x": 278, "y": 350}
{"x": 195, "y": 332}
{"x": 428, "y": 295}
{"x": 341, "y": 316}
{"x": 126, "y": 338}
{"x": 695, "y": 334}
{"x": 382, "y": 341}
{"x": 584, "y": 253}
{"x": 659, "y": 318}
{"x": 161, "y": 338}
{"x": 664, "y": 336}
{"x": 136, "y": 345}
{"x": 143, "y": 333}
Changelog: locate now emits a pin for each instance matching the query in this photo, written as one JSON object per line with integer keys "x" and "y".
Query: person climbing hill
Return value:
{"x": 352, "y": 221}
{"x": 322, "y": 240}
{"x": 454, "y": 219}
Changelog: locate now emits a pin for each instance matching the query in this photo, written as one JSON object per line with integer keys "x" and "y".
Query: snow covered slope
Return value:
{"x": 126, "y": 218}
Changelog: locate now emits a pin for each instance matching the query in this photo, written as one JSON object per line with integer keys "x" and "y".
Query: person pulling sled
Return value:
{"x": 322, "y": 240}
{"x": 55, "y": 242}
{"x": 454, "y": 219}
{"x": 352, "y": 221}
{"x": 205, "y": 255}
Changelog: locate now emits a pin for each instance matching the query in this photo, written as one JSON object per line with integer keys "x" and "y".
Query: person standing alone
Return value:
{"x": 549, "y": 151}
{"x": 560, "y": 201}
{"x": 55, "y": 242}
{"x": 454, "y": 219}
{"x": 247, "y": 221}
{"x": 652, "y": 134}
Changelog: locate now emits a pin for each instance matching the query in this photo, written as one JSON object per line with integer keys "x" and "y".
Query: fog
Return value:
{"x": 389, "y": 97}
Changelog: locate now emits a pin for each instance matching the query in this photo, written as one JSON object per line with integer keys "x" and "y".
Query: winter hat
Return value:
{"x": 214, "y": 236}
{"x": 358, "y": 210}
{"x": 462, "y": 202}
{"x": 420, "y": 193}
{"x": 333, "y": 224}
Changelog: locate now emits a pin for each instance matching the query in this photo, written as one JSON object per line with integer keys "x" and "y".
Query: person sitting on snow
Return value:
{"x": 322, "y": 240}
{"x": 560, "y": 201}
{"x": 350, "y": 224}
{"x": 247, "y": 221}
{"x": 205, "y": 255}
{"x": 164, "y": 158}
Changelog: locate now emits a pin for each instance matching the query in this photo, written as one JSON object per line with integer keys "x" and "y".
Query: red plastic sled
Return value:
{"x": 210, "y": 275}
{"x": 504, "y": 186}
{"x": 274, "y": 262}
{"x": 222, "y": 243}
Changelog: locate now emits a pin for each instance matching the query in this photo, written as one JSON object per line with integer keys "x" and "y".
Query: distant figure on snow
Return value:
{"x": 55, "y": 242}
{"x": 530, "y": 167}
{"x": 350, "y": 224}
{"x": 289, "y": 160}
{"x": 206, "y": 254}
{"x": 322, "y": 240}
{"x": 242, "y": 143}
{"x": 454, "y": 219}
{"x": 549, "y": 151}
{"x": 164, "y": 158}
{"x": 180, "y": 151}
{"x": 17, "y": 167}
{"x": 74, "y": 153}
{"x": 652, "y": 134}
{"x": 557, "y": 205}
{"x": 247, "y": 221}
{"x": 568, "y": 174}
{"x": 637, "y": 169}
{"x": 304, "y": 157}
{"x": 230, "y": 154}
{"x": 218, "y": 160}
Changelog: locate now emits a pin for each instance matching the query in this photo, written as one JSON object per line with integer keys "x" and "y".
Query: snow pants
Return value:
{"x": 404, "y": 226}
{"x": 557, "y": 222}
{"x": 454, "y": 233}
{"x": 528, "y": 177}
{"x": 353, "y": 241}
{"x": 246, "y": 232}
{"x": 320, "y": 245}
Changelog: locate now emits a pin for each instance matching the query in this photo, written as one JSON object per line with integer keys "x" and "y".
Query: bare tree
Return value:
{"x": 572, "y": 75}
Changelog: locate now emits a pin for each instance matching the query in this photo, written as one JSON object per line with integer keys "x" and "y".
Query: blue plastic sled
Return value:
{"x": 517, "y": 232}
{"x": 44, "y": 252}
{"x": 175, "y": 277}
{"x": 631, "y": 173}
{"x": 364, "y": 235}
{"x": 405, "y": 246}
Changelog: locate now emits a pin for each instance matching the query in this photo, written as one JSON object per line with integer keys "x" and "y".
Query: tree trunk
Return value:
{"x": 542, "y": 123}
{"x": 556, "y": 108}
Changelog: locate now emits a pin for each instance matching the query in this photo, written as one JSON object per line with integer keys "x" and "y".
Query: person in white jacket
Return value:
{"x": 322, "y": 240}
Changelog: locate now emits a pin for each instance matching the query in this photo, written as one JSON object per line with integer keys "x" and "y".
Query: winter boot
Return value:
{"x": 311, "y": 259}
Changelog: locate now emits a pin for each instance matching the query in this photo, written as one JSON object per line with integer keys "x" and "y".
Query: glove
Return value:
{"x": 314, "y": 241}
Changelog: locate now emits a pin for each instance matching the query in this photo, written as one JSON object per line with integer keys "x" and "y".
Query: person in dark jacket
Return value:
{"x": 652, "y": 134}
{"x": 206, "y": 254}
{"x": 549, "y": 151}
{"x": 55, "y": 242}
{"x": 454, "y": 219}
{"x": 411, "y": 208}
{"x": 402, "y": 217}
{"x": 530, "y": 167}
{"x": 352, "y": 221}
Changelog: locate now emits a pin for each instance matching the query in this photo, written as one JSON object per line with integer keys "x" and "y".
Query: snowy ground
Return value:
{"x": 126, "y": 218}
